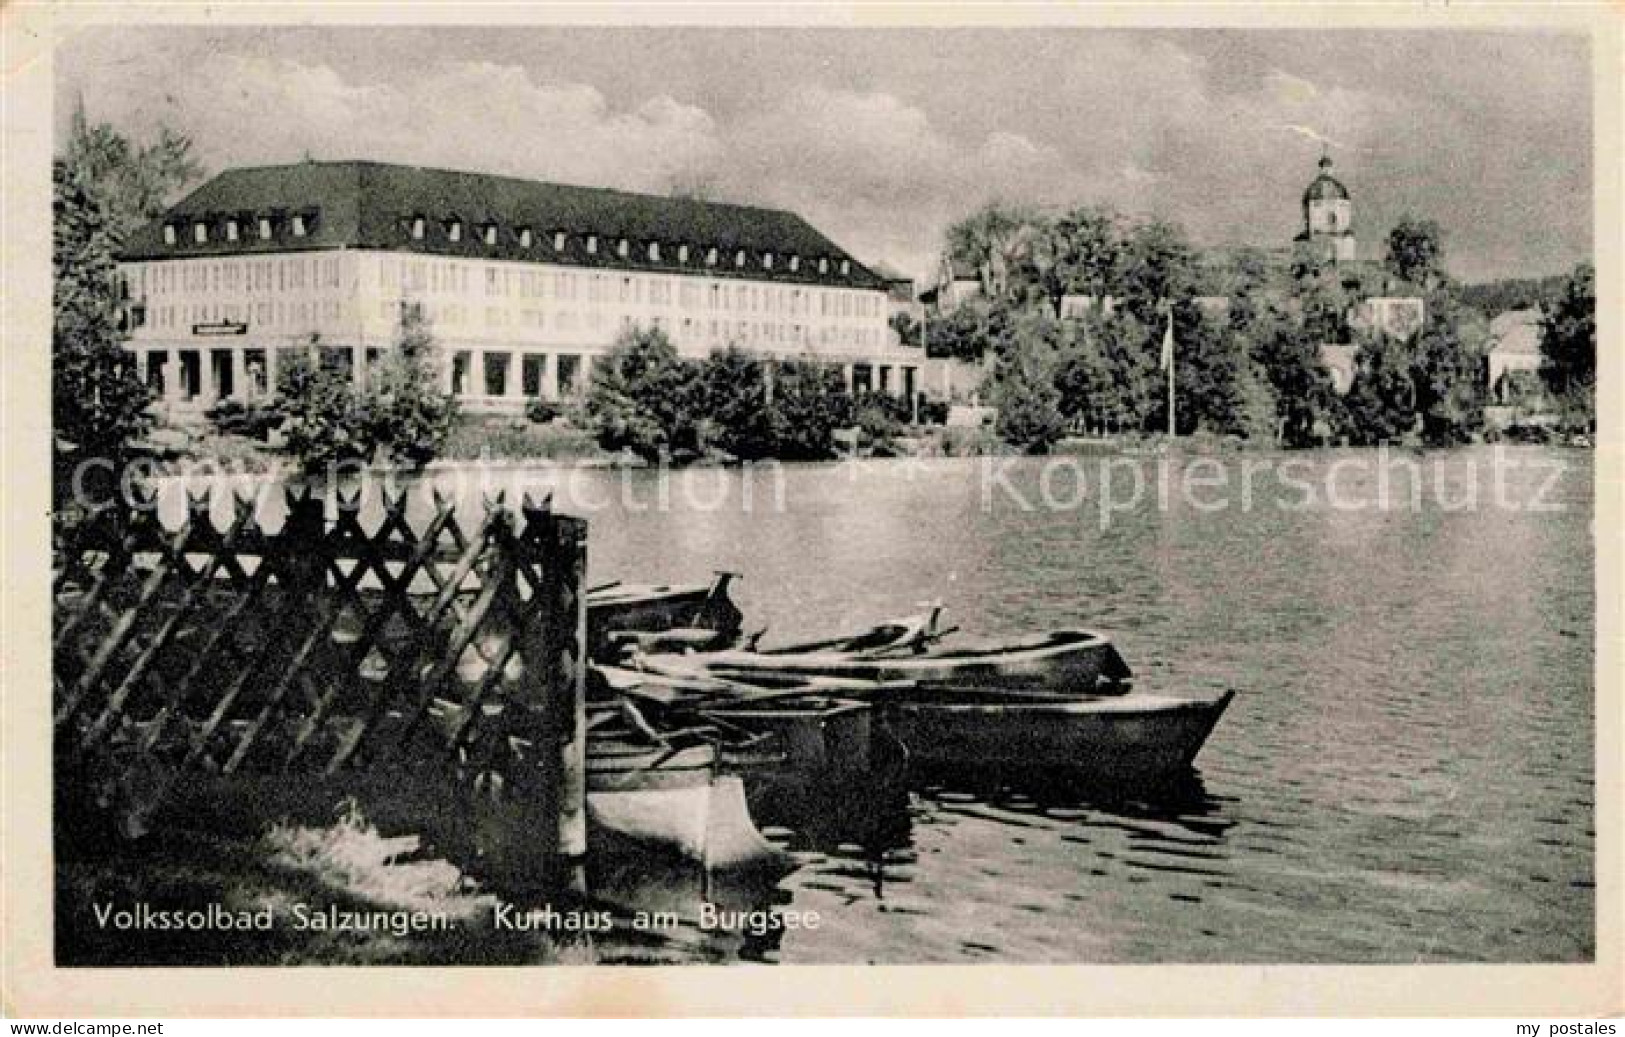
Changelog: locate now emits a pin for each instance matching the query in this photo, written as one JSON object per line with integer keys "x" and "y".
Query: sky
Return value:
{"x": 881, "y": 138}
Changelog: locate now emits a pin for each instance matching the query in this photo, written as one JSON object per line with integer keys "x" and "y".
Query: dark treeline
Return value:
{"x": 645, "y": 398}
{"x": 1073, "y": 309}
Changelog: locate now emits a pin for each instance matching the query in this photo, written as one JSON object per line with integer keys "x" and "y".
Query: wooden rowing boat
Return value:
{"x": 817, "y": 734}
{"x": 661, "y": 616}
{"x": 1074, "y": 662}
{"x": 1136, "y": 736}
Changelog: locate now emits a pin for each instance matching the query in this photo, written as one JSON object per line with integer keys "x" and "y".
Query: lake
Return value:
{"x": 1406, "y": 774}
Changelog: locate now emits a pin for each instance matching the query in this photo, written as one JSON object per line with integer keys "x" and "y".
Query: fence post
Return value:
{"x": 556, "y": 633}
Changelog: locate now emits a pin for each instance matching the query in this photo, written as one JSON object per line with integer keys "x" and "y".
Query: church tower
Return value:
{"x": 1328, "y": 216}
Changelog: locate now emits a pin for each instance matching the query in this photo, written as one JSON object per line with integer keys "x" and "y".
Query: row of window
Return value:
{"x": 296, "y": 274}
{"x": 266, "y": 227}
{"x": 685, "y": 329}
{"x": 224, "y": 373}
{"x": 432, "y": 277}
{"x": 492, "y": 235}
{"x": 302, "y": 224}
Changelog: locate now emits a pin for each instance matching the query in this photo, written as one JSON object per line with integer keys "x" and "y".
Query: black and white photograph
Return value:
{"x": 850, "y": 493}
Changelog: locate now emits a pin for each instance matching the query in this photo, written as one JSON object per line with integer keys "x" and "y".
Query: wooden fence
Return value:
{"x": 407, "y": 656}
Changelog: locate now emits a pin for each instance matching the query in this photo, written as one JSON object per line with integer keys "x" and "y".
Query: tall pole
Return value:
{"x": 1168, "y": 362}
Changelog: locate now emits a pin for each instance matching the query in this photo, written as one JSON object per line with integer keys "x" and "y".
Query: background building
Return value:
{"x": 523, "y": 283}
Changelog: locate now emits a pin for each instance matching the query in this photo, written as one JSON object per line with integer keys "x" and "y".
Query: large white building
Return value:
{"x": 523, "y": 283}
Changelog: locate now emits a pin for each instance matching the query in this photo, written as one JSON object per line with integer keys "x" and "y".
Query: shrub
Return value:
{"x": 322, "y": 416}
{"x": 254, "y": 420}
{"x": 542, "y": 411}
{"x": 732, "y": 393}
{"x": 809, "y": 403}
{"x": 401, "y": 412}
{"x": 640, "y": 397}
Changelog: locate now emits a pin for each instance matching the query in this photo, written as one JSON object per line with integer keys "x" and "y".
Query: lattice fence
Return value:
{"x": 325, "y": 648}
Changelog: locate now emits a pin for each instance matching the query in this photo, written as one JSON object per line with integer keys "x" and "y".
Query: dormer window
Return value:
{"x": 592, "y": 244}
{"x": 200, "y": 232}
{"x": 711, "y": 257}
{"x": 682, "y": 253}
{"x": 490, "y": 234}
{"x": 654, "y": 251}
{"x": 231, "y": 230}
{"x": 524, "y": 237}
{"x": 300, "y": 226}
{"x": 169, "y": 234}
{"x": 795, "y": 263}
{"x": 623, "y": 248}
{"x": 823, "y": 266}
{"x": 265, "y": 228}
{"x": 559, "y": 239}
{"x": 767, "y": 261}
{"x": 846, "y": 267}
{"x": 454, "y": 230}
{"x": 739, "y": 259}
{"x": 420, "y": 226}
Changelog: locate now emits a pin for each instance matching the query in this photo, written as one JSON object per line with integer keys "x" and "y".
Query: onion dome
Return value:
{"x": 1325, "y": 187}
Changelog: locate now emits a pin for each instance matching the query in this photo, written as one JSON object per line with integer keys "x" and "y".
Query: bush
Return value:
{"x": 542, "y": 411}
{"x": 254, "y": 420}
{"x": 322, "y": 417}
{"x": 406, "y": 413}
{"x": 402, "y": 412}
{"x": 640, "y": 397}
{"x": 809, "y": 403}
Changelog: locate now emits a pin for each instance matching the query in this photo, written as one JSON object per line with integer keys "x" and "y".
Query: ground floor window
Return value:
{"x": 336, "y": 358}
{"x": 460, "y": 361}
{"x": 569, "y": 374}
{"x": 531, "y": 373}
{"x": 255, "y": 371}
{"x": 496, "y": 374}
{"x": 157, "y": 359}
{"x": 862, "y": 378}
{"x": 191, "y": 373}
{"x": 220, "y": 369}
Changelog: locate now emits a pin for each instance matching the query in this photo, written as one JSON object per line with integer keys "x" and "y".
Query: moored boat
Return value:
{"x": 684, "y": 616}
{"x": 674, "y": 801}
{"x": 1137, "y": 736}
{"x": 1074, "y": 662}
{"x": 814, "y": 731}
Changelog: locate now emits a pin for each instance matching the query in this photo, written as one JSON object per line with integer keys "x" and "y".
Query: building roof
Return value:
{"x": 375, "y": 205}
{"x": 1516, "y": 331}
{"x": 1325, "y": 187}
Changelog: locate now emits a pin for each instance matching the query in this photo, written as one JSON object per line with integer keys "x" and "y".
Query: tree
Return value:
{"x": 1448, "y": 375}
{"x": 1024, "y": 391}
{"x": 1216, "y": 387}
{"x": 641, "y": 395}
{"x": 993, "y": 240}
{"x": 1416, "y": 252}
{"x": 732, "y": 393}
{"x": 907, "y": 328}
{"x": 1159, "y": 265}
{"x": 410, "y": 415}
{"x": 324, "y": 422}
{"x": 809, "y": 403}
{"x": 98, "y": 401}
{"x": 1568, "y": 345}
{"x": 133, "y": 181}
{"x": 1381, "y": 404}
{"x": 960, "y": 333}
{"x": 1080, "y": 252}
{"x": 1289, "y": 357}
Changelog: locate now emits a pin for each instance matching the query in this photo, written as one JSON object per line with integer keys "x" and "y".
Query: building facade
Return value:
{"x": 523, "y": 284}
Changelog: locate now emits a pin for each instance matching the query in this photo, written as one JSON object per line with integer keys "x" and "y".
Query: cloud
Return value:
{"x": 498, "y": 118}
{"x": 881, "y": 140}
